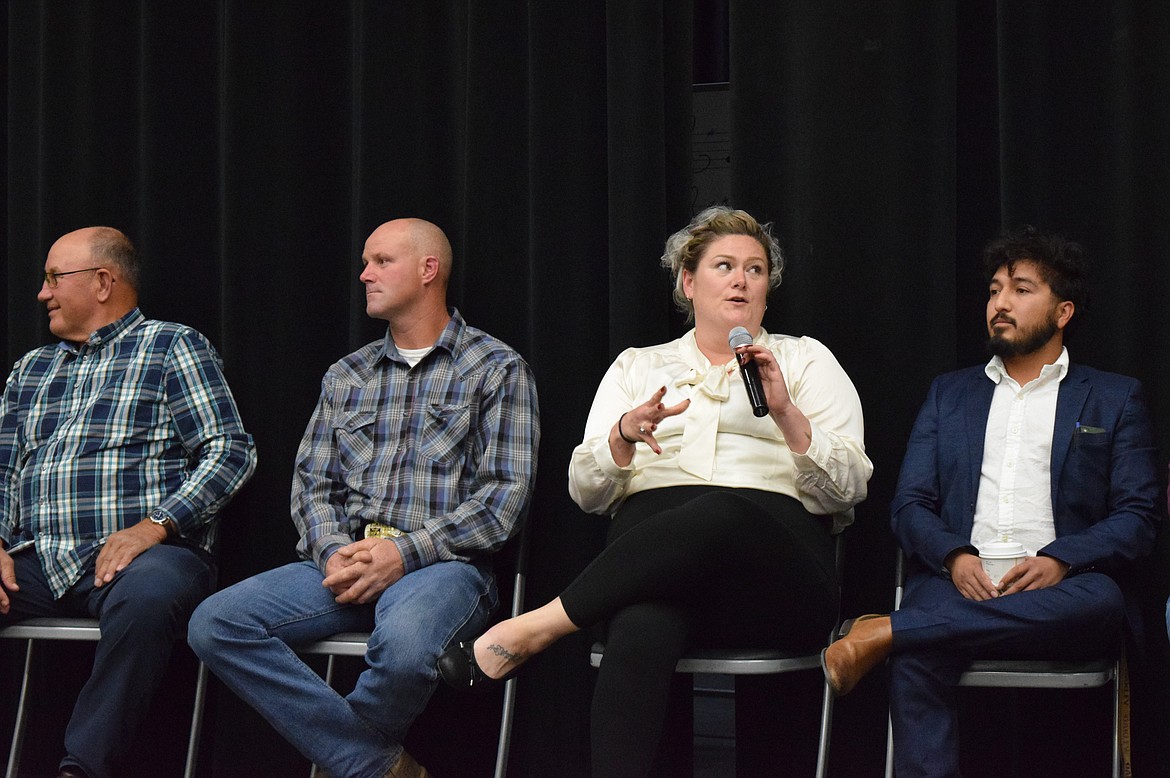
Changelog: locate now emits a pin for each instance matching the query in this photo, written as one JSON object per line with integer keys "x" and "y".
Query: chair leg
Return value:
{"x": 505, "y": 743}
{"x": 196, "y": 721}
{"x": 890, "y": 747}
{"x": 21, "y": 715}
{"x": 313, "y": 771}
{"x": 329, "y": 670}
{"x": 1118, "y": 671}
{"x": 826, "y": 732}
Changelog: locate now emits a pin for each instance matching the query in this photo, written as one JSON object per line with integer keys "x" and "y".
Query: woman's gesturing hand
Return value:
{"x": 639, "y": 424}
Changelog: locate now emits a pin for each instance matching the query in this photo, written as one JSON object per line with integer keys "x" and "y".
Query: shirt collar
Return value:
{"x": 448, "y": 339}
{"x": 1053, "y": 372}
{"x": 106, "y": 334}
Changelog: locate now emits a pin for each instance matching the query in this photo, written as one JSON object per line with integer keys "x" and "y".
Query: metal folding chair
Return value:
{"x": 354, "y": 644}
{"x": 1027, "y": 674}
{"x": 760, "y": 662}
{"x": 33, "y": 630}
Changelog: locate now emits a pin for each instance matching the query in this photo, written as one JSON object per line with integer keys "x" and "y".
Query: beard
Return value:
{"x": 1026, "y": 341}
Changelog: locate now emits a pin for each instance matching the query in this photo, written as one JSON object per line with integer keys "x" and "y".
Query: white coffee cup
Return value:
{"x": 999, "y": 557}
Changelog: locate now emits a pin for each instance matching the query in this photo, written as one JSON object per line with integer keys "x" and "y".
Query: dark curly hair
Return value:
{"x": 1062, "y": 263}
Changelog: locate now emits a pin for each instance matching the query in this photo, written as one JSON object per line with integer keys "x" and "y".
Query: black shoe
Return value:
{"x": 459, "y": 669}
{"x": 72, "y": 771}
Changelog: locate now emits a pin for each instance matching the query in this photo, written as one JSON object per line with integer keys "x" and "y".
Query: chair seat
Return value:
{"x": 81, "y": 629}
{"x": 1039, "y": 673}
{"x": 53, "y": 629}
{"x": 733, "y": 661}
{"x": 341, "y": 644}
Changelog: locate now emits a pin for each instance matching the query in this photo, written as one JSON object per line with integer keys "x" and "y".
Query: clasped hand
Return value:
{"x": 972, "y": 580}
{"x": 360, "y": 572}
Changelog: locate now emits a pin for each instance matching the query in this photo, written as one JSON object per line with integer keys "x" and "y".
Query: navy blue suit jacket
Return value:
{"x": 1105, "y": 489}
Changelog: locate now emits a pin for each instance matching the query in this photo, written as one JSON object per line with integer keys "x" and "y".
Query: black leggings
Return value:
{"x": 694, "y": 567}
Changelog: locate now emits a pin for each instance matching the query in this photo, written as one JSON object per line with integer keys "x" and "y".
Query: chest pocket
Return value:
{"x": 355, "y": 440}
{"x": 444, "y": 433}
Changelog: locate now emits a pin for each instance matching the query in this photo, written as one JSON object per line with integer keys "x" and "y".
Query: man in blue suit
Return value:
{"x": 1031, "y": 449}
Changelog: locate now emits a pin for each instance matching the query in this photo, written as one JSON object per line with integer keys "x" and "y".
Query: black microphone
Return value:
{"x": 749, "y": 370}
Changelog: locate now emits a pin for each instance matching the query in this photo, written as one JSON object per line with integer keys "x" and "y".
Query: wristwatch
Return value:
{"x": 163, "y": 520}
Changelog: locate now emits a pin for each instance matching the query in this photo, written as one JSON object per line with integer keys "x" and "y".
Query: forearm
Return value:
{"x": 208, "y": 422}
{"x": 596, "y": 482}
{"x": 320, "y": 519}
{"x": 923, "y": 535}
{"x": 224, "y": 465}
{"x": 795, "y": 427}
{"x": 833, "y": 473}
{"x": 824, "y": 428}
{"x": 478, "y": 526}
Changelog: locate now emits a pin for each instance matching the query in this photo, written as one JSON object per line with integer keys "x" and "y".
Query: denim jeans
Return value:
{"x": 141, "y": 613}
{"x": 247, "y": 635}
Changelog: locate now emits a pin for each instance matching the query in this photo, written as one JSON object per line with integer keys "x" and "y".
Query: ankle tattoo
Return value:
{"x": 504, "y": 653}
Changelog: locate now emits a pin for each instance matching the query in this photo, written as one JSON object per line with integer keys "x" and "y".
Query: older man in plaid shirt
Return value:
{"x": 417, "y": 464}
{"x": 118, "y": 447}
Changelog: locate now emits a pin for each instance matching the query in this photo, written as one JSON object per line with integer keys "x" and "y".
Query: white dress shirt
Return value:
{"x": 1015, "y": 480}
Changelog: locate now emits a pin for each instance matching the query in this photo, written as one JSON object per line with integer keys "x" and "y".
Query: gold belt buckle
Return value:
{"x": 375, "y": 530}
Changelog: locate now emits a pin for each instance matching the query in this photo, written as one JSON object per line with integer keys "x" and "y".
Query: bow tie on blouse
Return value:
{"x": 697, "y": 455}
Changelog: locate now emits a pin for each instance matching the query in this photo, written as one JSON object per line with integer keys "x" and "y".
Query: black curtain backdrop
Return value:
{"x": 249, "y": 147}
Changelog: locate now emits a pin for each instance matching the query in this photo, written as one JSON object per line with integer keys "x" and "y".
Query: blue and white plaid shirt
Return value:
{"x": 94, "y": 438}
{"x": 444, "y": 451}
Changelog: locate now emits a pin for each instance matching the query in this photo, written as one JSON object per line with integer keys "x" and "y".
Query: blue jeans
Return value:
{"x": 247, "y": 635}
{"x": 141, "y": 613}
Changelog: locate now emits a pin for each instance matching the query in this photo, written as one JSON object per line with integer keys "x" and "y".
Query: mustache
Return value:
{"x": 1000, "y": 317}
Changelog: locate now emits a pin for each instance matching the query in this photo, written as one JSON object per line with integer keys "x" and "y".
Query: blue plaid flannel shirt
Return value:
{"x": 94, "y": 438}
{"x": 444, "y": 451}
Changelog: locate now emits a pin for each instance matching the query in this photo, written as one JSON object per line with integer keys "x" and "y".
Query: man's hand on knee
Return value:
{"x": 7, "y": 580}
{"x": 123, "y": 546}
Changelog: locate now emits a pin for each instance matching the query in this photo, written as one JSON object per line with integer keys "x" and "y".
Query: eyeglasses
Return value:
{"x": 52, "y": 276}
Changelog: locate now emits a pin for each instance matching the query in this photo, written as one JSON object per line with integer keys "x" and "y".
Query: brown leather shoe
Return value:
{"x": 865, "y": 644}
{"x": 406, "y": 767}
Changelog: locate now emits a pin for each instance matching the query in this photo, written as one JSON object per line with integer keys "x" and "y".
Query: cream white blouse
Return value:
{"x": 717, "y": 440}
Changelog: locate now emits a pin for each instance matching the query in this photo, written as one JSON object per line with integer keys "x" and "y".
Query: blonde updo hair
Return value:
{"x": 685, "y": 247}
